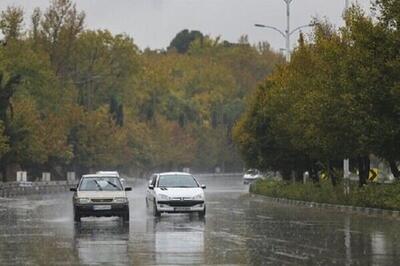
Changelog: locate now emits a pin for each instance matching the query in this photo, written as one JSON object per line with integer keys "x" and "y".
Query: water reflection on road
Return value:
{"x": 239, "y": 229}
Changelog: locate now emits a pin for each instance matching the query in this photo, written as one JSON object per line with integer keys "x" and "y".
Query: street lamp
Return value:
{"x": 287, "y": 33}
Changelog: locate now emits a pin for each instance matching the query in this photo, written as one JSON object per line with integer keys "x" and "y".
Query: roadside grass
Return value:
{"x": 382, "y": 196}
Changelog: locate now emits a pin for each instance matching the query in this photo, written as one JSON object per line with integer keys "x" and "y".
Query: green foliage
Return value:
{"x": 183, "y": 40}
{"x": 337, "y": 98}
{"x": 4, "y": 147}
{"x": 77, "y": 99}
{"x": 11, "y": 22}
{"x": 99, "y": 141}
{"x": 25, "y": 131}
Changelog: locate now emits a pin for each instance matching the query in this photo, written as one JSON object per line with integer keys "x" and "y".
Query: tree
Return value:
{"x": 59, "y": 29}
{"x": 183, "y": 40}
{"x": 99, "y": 141}
{"x": 11, "y": 23}
{"x": 95, "y": 100}
{"x": 382, "y": 39}
{"x": 322, "y": 101}
{"x": 7, "y": 91}
{"x": 26, "y": 137}
{"x": 105, "y": 66}
{"x": 4, "y": 147}
{"x": 116, "y": 111}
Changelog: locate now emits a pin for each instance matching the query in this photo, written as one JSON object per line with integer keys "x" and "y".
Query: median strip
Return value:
{"x": 375, "y": 200}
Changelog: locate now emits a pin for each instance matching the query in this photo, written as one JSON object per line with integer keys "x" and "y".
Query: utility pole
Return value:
{"x": 347, "y": 4}
{"x": 288, "y": 2}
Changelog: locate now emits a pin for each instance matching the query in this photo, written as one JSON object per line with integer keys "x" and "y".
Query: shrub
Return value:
{"x": 384, "y": 196}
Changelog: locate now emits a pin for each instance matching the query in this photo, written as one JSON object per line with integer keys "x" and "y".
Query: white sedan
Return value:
{"x": 251, "y": 175}
{"x": 175, "y": 192}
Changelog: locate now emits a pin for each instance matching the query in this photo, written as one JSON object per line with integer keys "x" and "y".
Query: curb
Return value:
{"x": 341, "y": 208}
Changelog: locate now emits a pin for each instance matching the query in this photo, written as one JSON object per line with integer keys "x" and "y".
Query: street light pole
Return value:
{"x": 347, "y": 4}
{"x": 287, "y": 33}
{"x": 288, "y": 2}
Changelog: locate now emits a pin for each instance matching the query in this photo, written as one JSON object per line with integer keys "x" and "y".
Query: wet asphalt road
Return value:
{"x": 239, "y": 229}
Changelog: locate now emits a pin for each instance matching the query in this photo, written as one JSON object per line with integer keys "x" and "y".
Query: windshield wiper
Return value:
{"x": 98, "y": 185}
{"x": 112, "y": 184}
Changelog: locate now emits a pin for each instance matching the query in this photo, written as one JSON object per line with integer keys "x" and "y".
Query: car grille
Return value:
{"x": 184, "y": 198}
{"x": 181, "y": 203}
{"x": 102, "y": 200}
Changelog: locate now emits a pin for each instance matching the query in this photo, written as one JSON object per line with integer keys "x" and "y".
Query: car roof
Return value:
{"x": 98, "y": 175}
{"x": 174, "y": 173}
{"x": 108, "y": 173}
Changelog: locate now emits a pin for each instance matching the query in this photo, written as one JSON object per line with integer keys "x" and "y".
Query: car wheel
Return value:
{"x": 125, "y": 217}
{"x": 155, "y": 211}
{"x": 203, "y": 212}
{"x": 77, "y": 217}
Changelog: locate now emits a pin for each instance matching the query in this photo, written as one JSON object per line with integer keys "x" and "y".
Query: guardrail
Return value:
{"x": 15, "y": 189}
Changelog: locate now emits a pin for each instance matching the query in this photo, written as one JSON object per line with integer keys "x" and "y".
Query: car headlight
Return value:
{"x": 198, "y": 197}
{"x": 163, "y": 197}
{"x": 83, "y": 200}
{"x": 120, "y": 200}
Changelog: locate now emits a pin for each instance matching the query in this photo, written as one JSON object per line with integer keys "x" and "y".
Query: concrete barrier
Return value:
{"x": 15, "y": 189}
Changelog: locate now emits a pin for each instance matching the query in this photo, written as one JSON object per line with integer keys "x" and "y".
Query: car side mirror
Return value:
{"x": 128, "y": 189}
{"x": 203, "y": 186}
{"x": 72, "y": 189}
{"x": 151, "y": 187}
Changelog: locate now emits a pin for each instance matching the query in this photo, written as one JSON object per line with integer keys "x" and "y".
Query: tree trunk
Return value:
{"x": 331, "y": 174}
{"x": 313, "y": 172}
{"x": 363, "y": 168}
{"x": 3, "y": 173}
{"x": 394, "y": 169}
{"x": 299, "y": 176}
{"x": 286, "y": 175}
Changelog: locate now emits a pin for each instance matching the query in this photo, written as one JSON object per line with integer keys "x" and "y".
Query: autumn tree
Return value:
{"x": 11, "y": 23}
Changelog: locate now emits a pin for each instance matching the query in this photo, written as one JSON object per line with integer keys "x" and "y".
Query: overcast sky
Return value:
{"x": 153, "y": 23}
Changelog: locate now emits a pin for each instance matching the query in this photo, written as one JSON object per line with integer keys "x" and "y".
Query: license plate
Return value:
{"x": 101, "y": 207}
{"x": 182, "y": 209}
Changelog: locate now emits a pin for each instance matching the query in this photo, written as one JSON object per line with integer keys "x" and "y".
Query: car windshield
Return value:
{"x": 100, "y": 184}
{"x": 177, "y": 181}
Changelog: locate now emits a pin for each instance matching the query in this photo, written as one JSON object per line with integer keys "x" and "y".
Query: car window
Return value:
{"x": 177, "y": 181}
{"x": 100, "y": 184}
{"x": 153, "y": 180}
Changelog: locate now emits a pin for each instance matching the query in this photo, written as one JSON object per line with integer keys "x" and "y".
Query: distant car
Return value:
{"x": 251, "y": 175}
{"x": 112, "y": 173}
{"x": 109, "y": 173}
{"x": 175, "y": 192}
{"x": 100, "y": 195}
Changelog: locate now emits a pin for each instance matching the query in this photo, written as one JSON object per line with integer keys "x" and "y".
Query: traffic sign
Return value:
{"x": 373, "y": 175}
